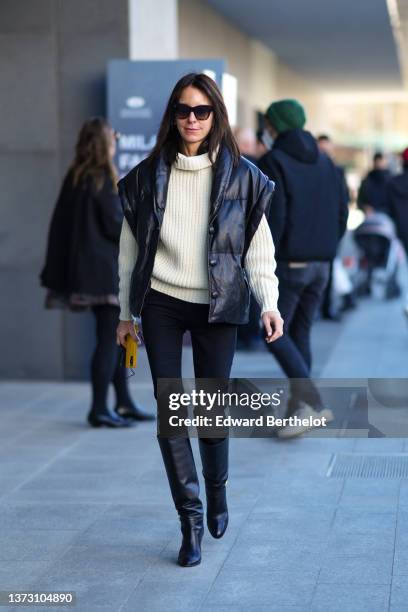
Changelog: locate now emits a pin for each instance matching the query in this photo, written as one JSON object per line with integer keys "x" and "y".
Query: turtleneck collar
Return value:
{"x": 193, "y": 162}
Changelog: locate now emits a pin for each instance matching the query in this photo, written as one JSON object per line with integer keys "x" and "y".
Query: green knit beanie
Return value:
{"x": 286, "y": 115}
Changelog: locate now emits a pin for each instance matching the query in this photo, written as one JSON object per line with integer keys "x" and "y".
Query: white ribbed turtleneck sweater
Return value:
{"x": 180, "y": 265}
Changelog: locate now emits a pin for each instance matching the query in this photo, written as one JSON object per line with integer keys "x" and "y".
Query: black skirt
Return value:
{"x": 77, "y": 302}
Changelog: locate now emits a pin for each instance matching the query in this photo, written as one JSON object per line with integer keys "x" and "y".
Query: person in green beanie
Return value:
{"x": 285, "y": 115}
{"x": 307, "y": 217}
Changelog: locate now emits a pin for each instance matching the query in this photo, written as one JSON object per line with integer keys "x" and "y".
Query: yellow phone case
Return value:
{"x": 131, "y": 352}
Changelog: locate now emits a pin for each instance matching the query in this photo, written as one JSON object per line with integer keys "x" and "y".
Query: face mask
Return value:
{"x": 267, "y": 139}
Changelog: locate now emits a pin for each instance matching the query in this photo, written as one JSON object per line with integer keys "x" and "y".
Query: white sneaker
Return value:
{"x": 305, "y": 412}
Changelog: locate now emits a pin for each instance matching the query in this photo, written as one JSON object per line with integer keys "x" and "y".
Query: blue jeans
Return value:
{"x": 301, "y": 289}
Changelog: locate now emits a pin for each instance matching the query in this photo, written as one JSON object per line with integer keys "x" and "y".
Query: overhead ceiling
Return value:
{"x": 337, "y": 43}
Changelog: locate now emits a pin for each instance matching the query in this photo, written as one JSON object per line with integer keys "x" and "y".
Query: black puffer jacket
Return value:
{"x": 309, "y": 209}
{"x": 240, "y": 195}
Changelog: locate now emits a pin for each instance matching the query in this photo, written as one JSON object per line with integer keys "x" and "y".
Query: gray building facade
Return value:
{"x": 53, "y": 57}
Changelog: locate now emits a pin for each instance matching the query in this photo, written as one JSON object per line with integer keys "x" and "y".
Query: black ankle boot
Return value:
{"x": 190, "y": 551}
{"x": 107, "y": 419}
{"x": 183, "y": 480}
{"x": 214, "y": 458}
{"x": 134, "y": 412}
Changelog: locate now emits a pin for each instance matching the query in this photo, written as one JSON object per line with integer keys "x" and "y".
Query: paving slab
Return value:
{"x": 90, "y": 510}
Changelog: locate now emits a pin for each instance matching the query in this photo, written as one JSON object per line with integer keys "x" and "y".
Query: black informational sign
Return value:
{"x": 137, "y": 95}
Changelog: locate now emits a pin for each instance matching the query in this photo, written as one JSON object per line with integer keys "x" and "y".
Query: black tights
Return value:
{"x": 105, "y": 365}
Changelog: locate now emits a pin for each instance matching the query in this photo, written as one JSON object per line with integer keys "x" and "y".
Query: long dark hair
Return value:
{"x": 92, "y": 157}
{"x": 169, "y": 140}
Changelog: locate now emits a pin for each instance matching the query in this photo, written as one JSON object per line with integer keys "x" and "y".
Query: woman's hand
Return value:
{"x": 124, "y": 328}
{"x": 273, "y": 324}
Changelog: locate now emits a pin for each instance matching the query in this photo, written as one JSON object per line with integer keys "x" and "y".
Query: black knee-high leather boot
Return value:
{"x": 214, "y": 457}
{"x": 185, "y": 489}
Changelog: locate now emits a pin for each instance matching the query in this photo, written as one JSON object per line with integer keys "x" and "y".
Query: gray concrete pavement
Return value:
{"x": 90, "y": 510}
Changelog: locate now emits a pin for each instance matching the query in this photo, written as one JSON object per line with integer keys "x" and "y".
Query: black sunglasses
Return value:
{"x": 201, "y": 112}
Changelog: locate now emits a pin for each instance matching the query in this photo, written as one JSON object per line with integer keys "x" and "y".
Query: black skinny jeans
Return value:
{"x": 105, "y": 364}
{"x": 165, "y": 319}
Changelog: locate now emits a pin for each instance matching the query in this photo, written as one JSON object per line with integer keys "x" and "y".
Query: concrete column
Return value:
{"x": 53, "y": 56}
{"x": 153, "y": 29}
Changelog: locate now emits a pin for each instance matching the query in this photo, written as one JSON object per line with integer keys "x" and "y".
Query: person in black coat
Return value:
{"x": 397, "y": 203}
{"x": 81, "y": 267}
{"x": 308, "y": 216}
{"x": 372, "y": 195}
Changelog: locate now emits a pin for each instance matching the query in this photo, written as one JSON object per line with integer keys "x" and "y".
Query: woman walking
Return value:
{"x": 81, "y": 268}
{"x": 194, "y": 240}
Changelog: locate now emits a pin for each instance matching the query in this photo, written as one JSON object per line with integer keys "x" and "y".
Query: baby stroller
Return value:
{"x": 377, "y": 240}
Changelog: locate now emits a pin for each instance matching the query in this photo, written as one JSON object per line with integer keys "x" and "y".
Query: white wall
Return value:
{"x": 153, "y": 29}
